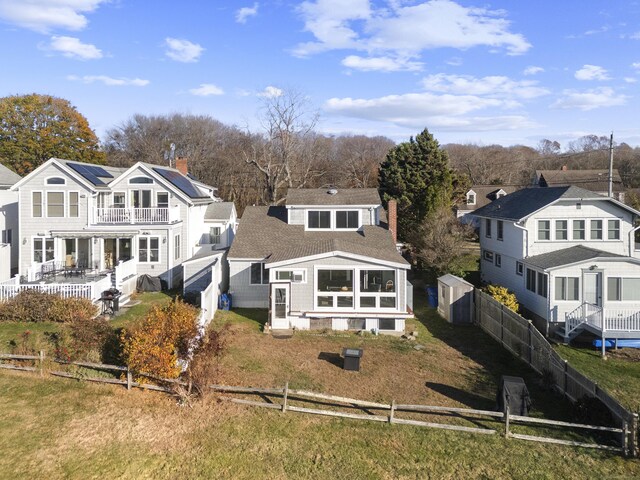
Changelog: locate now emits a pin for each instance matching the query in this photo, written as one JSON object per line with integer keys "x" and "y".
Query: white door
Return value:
{"x": 280, "y": 306}
{"x": 593, "y": 288}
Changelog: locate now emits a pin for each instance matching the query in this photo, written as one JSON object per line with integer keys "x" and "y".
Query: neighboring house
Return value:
{"x": 150, "y": 217}
{"x": 324, "y": 260}
{"x": 570, "y": 257}
{"x": 477, "y": 197}
{"x": 594, "y": 180}
{"x": 9, "y": 233}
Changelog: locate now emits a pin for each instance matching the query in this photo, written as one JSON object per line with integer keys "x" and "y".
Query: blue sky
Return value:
{"x": 507, "y": 72}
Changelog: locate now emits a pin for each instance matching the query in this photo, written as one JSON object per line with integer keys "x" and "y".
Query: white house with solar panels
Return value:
{"x": 82, "y": 224}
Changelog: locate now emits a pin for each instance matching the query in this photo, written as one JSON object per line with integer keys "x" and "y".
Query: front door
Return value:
{"x": 280, "y": 306}
{"x": 593, "y": 288}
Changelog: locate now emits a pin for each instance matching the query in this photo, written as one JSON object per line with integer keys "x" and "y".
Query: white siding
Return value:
{"x": 9, "y": 221}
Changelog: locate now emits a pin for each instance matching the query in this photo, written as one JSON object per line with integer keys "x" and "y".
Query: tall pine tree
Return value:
{"x": 417, "y": 174}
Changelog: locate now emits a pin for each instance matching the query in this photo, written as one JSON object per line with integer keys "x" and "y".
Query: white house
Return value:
{"x": 570, "y": 257}
{"x": 324, "y": 260}
{"x": 77, "y": 218}
{"x": 8, "y": 224}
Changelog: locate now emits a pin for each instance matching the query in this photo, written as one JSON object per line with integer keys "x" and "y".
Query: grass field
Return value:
{"x": 56, "y": 428}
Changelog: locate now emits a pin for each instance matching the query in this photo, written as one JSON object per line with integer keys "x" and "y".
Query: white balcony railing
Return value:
{"x": 135, "y": 215}
{"x": 125, "y": 270}
{"x": 615, "y": 319}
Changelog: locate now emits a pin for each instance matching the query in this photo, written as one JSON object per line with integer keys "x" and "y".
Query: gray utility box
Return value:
{"x": 455, "y": 299}
{"x": 352, "y": 358}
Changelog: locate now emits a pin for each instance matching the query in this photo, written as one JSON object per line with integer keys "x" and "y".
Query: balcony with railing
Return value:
{"x": 121, "y": 216}
{"x": 608, "y": 322}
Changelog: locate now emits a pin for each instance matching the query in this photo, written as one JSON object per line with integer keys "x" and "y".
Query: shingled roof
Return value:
{"x": 569, "y": 256}
{"x": 594, "y": 180}
{"x": 322, "y": 196}
{"x": 486, "y": 194}
{"x": 8, "y": 177}
{"x": 219, "y": 211}
{"x": 522, "y": 203}
{"x": 264, "y": 233}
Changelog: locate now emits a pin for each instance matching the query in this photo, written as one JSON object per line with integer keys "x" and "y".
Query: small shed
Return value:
{"x": 455, "y": 299}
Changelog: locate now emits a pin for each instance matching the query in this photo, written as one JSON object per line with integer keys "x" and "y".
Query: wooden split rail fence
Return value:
{"x": 288, "y": 395}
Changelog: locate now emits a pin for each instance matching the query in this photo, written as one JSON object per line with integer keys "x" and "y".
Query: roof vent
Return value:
{"x": 332, "y": 191}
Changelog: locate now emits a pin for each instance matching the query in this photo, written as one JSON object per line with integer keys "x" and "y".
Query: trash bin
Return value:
{"x": 352, "y": 358}
{"x": 432, "y": 296}
{"x": 225, "y": 302}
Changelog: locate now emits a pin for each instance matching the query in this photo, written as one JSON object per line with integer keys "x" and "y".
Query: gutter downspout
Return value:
{"x": 526, "y": 237}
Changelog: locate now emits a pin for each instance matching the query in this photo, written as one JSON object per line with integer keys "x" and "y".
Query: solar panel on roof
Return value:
{"x": 91, "y": 172}
{"x": 181, "y": 182}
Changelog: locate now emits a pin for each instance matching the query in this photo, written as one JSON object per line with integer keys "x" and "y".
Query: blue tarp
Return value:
{"x": 623, "y": 343}
{"x": 432, "y": 294}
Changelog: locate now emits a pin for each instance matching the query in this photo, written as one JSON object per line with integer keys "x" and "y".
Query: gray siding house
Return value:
{"x": 324, "y": 260}
{"x": 9, "y": 233}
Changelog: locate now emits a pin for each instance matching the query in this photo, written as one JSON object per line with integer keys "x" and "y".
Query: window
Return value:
{"x": 56, "y": 181}
{"x": 487, "y": 227}
{"x": 43, "y": 250}
{"x": 73, "y": 204}
{"x": 562, "y": 230}
{"x": 623, "y": 289}
{"x": 293, "y": 276}
{"x": 613, "y": 229}
{"x": 176, "y": 247}
{"x": 118, "y": 200}
{"x": 387, "y": 324}
{"x": 567, "y": 288}
{"x": 36, "y": 204}
{"x": 214, "y": 235}
{"x": 347, "y": 219}
{"x": 319, "y": 219}
{"x": 488, "y": 256}
{"x": 596, "y": 230}
{"x": 498, "y": 260}
{"x": 387, "y": 302}
{"x": 500, "y": 232}
{"x": 162, "y": 200}
{"x": 542, "y": 284}
{"x": 377, "y": 281}
{"x": 544, "y": 230}
{"x": 149, "y": 249}
{"x": 55, "y": 204}
{"x": 7, "y": 236}
{"x": 139, "y": 180}
{"x": 336, "y": 287}
{"x": 367, "y": 302}
{"x": 259, "y": 274}
{"x": 519, "y": 268}
{"x": 471, "y": 198}
{"x": 531, "y": 280}
{"x": 578, "y": 230}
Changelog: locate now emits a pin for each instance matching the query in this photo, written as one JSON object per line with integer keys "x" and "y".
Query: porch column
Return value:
{"x": 603, "y": 319}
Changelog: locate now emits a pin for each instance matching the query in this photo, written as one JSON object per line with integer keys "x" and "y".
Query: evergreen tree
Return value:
{"x": 417, "y": 174}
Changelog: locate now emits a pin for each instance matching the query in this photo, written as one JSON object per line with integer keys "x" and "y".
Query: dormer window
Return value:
{"x": 347, "y": 220}
{"x": 319, "y": 219}
{"x": 500, "y": 193}
{"x": 56, "y": 181}
{"x": 471, "y": 198}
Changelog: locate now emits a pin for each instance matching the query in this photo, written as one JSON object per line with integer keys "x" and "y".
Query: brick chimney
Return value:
{"x": 564, "y": 168}
{"x": 392, "y": 220}
{"x": 181, "y": 165}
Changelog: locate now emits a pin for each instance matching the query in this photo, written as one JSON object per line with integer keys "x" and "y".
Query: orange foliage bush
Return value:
{"x": 155, "y": 345}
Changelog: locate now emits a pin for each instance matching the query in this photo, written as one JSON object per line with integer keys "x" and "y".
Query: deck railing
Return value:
{"x": 135, "y": 215}
{"x": 89, "y": 290}
{"x": 126, "y": 270}
{"x": 617, "y": 319}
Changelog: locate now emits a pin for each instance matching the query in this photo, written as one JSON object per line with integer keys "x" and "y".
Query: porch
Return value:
{"x": 89, "y": 287}
{"x": 135, "y": 216}
{"x": 604, "y": 322}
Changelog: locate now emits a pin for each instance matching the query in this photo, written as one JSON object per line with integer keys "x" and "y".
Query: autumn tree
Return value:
{"x": 34, "y": 128}
{"x": 417, "y": 174}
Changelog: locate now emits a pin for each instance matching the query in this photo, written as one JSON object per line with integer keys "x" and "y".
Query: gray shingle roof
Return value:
{"x": 522, "y": 203}
{"x": 594, "y": 180}
{"x": 485, "y": 194}
{"x": 264, "y": 233}
{"x": 8, "y": 177}
{"x": 219, "y": 211}
{"x": 568, "y": 256}
{"x": 344, "y": 196}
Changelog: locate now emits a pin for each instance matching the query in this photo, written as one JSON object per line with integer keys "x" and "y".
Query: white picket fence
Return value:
{"x": 125, "y": 270}
{"x": 89, "y": 290}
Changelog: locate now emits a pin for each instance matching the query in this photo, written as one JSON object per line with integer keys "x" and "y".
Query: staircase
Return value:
{"x": 572, "y": 334}
{"x": 586, "y": 314}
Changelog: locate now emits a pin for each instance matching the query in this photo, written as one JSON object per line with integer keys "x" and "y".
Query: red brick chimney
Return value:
{"x": 392, "y": 220}
{"x": 181, "y": 165}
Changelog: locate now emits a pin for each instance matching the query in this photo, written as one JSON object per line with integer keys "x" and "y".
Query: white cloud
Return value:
{"x": 592, "y": 72}
{"x": 206, "y": 90}
{"x": 630, "y": 80}
{"x": 270, "y": 92}
{"x": 182, "y": 50}
{"x": 72, "y": 47}
{"x": 454, "y": 61}
{"x": 110, "y": 81}
{"x": 636, "y": 65}
{"x": 45, "y": 15}
{"x": 532, "y": 70}
{"x": 246, "y": 12}
{"x": 405, "y": 29}
{"x": 590, "y": 99}
{"x": 383, "y": 64}
{"x": 494, "y": 86}
{"x": 635, "y": 36}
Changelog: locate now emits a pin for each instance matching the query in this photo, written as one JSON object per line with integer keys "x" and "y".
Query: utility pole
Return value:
{"x": 611, "y": 166}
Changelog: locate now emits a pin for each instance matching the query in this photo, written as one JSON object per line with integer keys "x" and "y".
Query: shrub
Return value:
{"x": 83, "y": 338}
{"x": 504, "y": 296}
{"x": 155, "y": 345}
{"x": 204, "y": 367}
{"x": 32, "y": 305}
